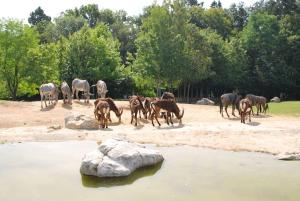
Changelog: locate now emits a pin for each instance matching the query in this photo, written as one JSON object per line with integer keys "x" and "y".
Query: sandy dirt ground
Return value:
{"x": 202, "y": 126}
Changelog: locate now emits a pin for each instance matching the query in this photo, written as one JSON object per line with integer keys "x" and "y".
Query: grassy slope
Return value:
{"x": 290, "y": 108}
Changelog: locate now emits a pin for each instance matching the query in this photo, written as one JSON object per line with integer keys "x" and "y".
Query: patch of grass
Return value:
{"x": 289, "y": 108}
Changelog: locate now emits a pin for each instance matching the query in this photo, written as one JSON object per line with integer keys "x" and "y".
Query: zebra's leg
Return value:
{"x": 45, "y": 100}
{"x": 41, "y": 100}
{"x": 76, "y": 91}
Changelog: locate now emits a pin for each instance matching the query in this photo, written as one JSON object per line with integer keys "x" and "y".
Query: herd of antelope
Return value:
{"x": 244, "y": 106}
{"x": 151, "y": 108}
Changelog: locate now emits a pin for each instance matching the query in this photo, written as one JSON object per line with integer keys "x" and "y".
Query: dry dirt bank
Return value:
{"x": 202, "y": 126}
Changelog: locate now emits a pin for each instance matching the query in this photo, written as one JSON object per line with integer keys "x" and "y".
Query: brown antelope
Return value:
{"x": 102, "y": 113}
{"x": 136, "y": 106}
{"x": 229, "y": 99}
{"x": 112, "y": 106}
{"x": 245, "y": 109}
{"x": 170, "y": 106}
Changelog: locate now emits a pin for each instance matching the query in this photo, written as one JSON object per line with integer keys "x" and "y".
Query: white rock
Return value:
{"x": 288, "y": 156}
{"x": 205, "y": 101}
{"x": 275, "y": 99}
{"x": 80, "y": 121}
{"x": 116, "y": 158}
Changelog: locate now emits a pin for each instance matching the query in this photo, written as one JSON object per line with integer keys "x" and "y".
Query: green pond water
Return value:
{"x": 49, "y": 171}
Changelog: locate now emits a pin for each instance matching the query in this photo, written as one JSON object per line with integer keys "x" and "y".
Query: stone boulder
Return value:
{"x": 117, "y": 158}
{"x": 205, "y": 101}
{"x": 289, "y": 156}
{"x": 275, "y": 99}
{"x": 80, "y": 121}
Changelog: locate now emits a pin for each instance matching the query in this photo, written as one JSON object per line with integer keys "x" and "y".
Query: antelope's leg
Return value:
{"x": 226, "y": 111}
{"x": 156, "y": 114}
{"x": 250, "y": 116}
{"x": 108, "y": 117}
{"x": 233, "y": 108}
{"x": 135, "y": 116}
{"x": 167, "y": 117}
{"x": 152, "y": 116}
{"x": 131, "y": 116}
{"x": 171, "y": 114}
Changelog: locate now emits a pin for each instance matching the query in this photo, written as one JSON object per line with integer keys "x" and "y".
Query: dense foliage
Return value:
{"x": 178, "y": 46}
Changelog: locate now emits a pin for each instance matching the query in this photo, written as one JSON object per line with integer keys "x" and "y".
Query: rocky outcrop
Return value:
{"x": 80, "y": 121}
{"x": 117, "y": 158}
{"x": 275, "y": 99}
{"x": 205, "y": 101}
{"x": 289, "y": 156}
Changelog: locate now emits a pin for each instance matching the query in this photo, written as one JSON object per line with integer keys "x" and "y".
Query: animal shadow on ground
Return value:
{"x": 48, "y": 108}
{"x": 83, "y": 103}
{"x": 66, "y": 106}
{"x": 95, "y": 182}
{"x": 261, "y": 116}
{"x": 144, "y": 121}
{"x": 139, "y": 126}
{"x": 114, "y": 123}
{"x": 105, "y": 129}
{"x": 174, "y": 126}
{"x": 253, "y": 123}
{"x": 234, "y": 118}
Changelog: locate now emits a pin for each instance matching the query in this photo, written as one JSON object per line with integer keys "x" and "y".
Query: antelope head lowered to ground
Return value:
{"x": 170, "y": 106}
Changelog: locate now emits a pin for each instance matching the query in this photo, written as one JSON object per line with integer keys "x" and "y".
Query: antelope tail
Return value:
{"x": 221, "y": 106}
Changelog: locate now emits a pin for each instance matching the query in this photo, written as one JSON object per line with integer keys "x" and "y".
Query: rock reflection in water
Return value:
{"x": 96, "y": 182}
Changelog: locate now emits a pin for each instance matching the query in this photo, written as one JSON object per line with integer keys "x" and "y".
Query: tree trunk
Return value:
{"x": 178, "y": 93}
{"x": 192, "y": 93}
{"x": 184, "y": 92}
{"x": 201, "y": 91}
{"x": 188, "y": 92}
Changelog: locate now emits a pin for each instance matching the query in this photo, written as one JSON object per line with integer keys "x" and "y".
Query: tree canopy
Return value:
{"x": 179, "y": 45}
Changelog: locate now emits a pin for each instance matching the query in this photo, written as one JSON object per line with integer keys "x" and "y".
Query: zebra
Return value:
{"x": 81, "y": 85}
{"x": 49, "y": 91}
